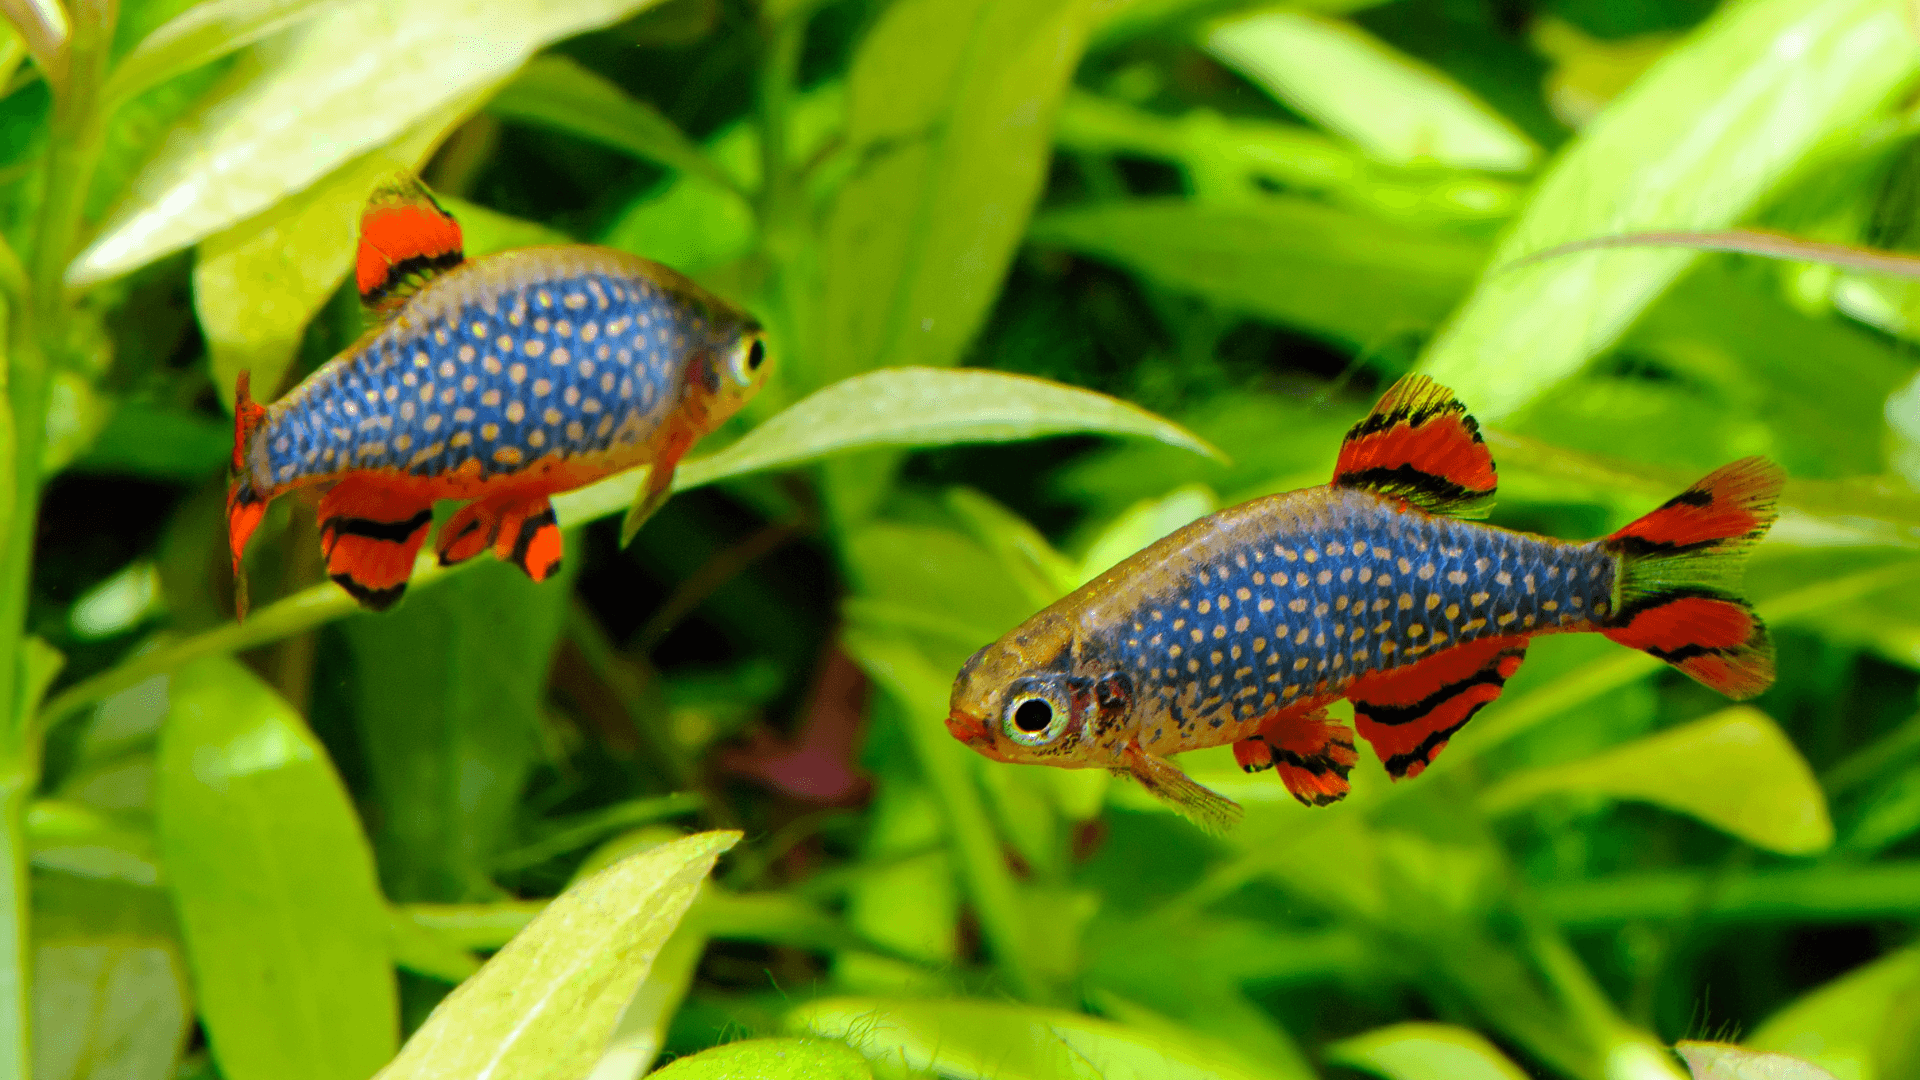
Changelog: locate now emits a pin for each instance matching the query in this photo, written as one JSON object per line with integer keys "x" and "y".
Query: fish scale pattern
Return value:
{"x": 514, "y": 363}
{"x": 1296, "y": 601}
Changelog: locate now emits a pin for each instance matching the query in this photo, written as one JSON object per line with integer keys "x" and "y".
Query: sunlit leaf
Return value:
{"x": 109, "y": 985}
{"x": 307, "y": 101}
{"x": 981, "y": 1040}
{"x": 285, "y": 929}
{"x": 258, "y": 284}
{"x": 772, "y": 1059}
{"x": 902, "y": 407}
{"x": 1425, "y": 1051}
{"x": 1719, "y": 1061}
{"x": 950, "y": 116}
{"x": 203, "y": 33}
{"x": 1697, "y": 143}
{"x": 1735, "y": 770}
{"x": 642, "y": 1029}
{"x": 544, "y": 1006}
{"x": 558, "y": 93}
{"x": 1340, "y": 275}
{"x": 1845, "y": 1026}
{"x": 1387, "y": 103}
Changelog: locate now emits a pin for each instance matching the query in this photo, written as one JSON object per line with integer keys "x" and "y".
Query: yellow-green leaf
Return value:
{"x": 1704, "y": 137}
{"x": 305, "y": 102}
{"x": 285, "y": 929}
{"x": 1719, "y": 1061}
{"x": 1735, "y": 770}
{"x": 1850, "y": 1025}
{"x": 202, "y": 34}
{"x": 771, "y": 1059}
{"x": 1419, "y": 1050}
{"x": 544, "y": 1006}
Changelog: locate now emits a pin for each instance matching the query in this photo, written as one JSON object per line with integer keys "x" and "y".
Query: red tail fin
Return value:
{"x": 1680, "y": 569}
{"x": 245, "y": 504}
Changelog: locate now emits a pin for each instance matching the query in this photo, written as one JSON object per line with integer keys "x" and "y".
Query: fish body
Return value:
{"x": 502, "y": 380}
{"x": 1242, "y": 627}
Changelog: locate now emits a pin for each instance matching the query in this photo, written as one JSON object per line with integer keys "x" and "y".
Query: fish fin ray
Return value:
{"x": 1312, "y": 754}
{"x": 1212, "y": 812}
{"x": 245, "y": 506}
{"x": 1410, "y": 713}
{"x": 1675, "y": 592}
{"x": 406, "y": 240}
{"x": 469, "y": 532}
{"x": 1419, "y": 446}
{"x": 529, "y": 538}
{"x": 370, "y": 535}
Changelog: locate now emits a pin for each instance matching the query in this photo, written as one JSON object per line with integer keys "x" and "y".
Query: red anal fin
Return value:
{"x": 406, "y": 239}
{"x": 468, "y": 532}
{"x": 370, "y": 535}
{"x": 1715, "y": 639}
{"x": 1409, "y": 713}
{"x": 1313, "y": 755}
{"x": 529, "y": 538}
{"x": 1733, "y": 505}
{"x": 1419, "y": 446}
{"x": 246, "y": 505}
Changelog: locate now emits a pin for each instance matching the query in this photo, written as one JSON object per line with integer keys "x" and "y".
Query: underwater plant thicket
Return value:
{"x": 275, "y": 849}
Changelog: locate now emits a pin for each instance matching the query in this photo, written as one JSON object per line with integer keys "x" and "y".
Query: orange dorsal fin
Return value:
{"x": 406, "y": 240}
{"x": 1419, "y": 446}
{"x": 245, "y": 505}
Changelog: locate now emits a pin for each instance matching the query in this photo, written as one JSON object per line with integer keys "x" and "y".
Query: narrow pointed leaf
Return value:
{"x": 1718, "y": 1061}
{"x": 1705, "y": 136}
{"x": 1425, "y": 1051}
{"x": 899, "y": 407}
{"x": 544, "y": 1006}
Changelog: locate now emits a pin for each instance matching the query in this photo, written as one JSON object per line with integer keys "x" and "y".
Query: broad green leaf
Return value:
{"x": 981, "y": 1040}
{"x": 642, "y": 1027}
{"x": 908, "y": 902}
{"x": 950, "y": 117}
{"x": 902, "y": 407}
{"x": 285, "y": 929}
{"x": 1348, "y": 277}
{"x": 771, "y": 1059}
{"x": 449, "y": 692}
{"x": 1846, "y": 1026}
{"x": 258, "y": 284}
{"x": 1719, "y": 1061}
{"x": 1589, "y": 72}
{"x": 109, "y": 984}
{"x": 544, "y": 1006}
{"x": 86, "y": 842}
{"x": 556, "y": 92}
{"x": 485, "y": 231}
{"x": 1418, "y": 1050}
{"x": 1707, "y": 135}
{"x": 303, "y": 103}
{"x": 1141, "y": 524}
{"x": 1390, "y": 105}
{"x": 202, "y": 34}
{"x": 1735, "y": 770}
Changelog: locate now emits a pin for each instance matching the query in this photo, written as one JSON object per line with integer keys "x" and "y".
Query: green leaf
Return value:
{"x": 1425, "y": 1051}
{"x": 285, "y": 929}
{"x": 484, "y": 231}
{"x": 450, "y": 689}
{"x": 902, "y": 407}
{"x": 637, "y": 1038}
{"x": 200, "y": 35}
{"x": 1347, "y": 277}
{"x": 544, "y": 1006}
{"x": 1707, "y": 135}
{"x": 1849, "y": 1025}
{"x": 1141, "y": 524}
{"x": 1351, "y": 83}
{"x": 1719, "y": 1061}
{"x": 1735, "y": 770}
{"x": 258, "y": 284}
{"x": 771, "y": 1059}
{"x": 556, "y": 92}
{"x": 299, "y": 106}
{"x": 109, "y": 984}
{"x": 980, "y": 1040}
{"x": 950, "y": 116}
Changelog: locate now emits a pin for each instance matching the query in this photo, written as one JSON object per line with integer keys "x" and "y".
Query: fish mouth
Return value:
{"x": 969, "y": 729}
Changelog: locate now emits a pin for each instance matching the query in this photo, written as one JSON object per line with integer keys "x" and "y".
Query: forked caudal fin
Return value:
{"x": 406, "y": 239}
{"x": 245, "y": 505}
{"x": 1676, "y": 592}
{"x": 1419, "y": 446}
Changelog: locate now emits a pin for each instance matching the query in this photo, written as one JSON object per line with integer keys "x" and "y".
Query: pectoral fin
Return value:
{"x": 1212, "y": 812}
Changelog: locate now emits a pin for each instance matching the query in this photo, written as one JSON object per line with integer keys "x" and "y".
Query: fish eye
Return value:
{"x": 756, "y": 354}
{"x": 1034, "y": 717}
{"x": 747, "y": 359}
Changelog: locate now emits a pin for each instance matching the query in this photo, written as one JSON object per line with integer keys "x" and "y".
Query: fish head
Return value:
{"x": 1028, "y": 698}
{"x": 733, "y": 368}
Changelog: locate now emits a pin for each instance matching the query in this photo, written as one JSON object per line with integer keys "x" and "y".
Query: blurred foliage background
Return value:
{"x": 272, "y": 850}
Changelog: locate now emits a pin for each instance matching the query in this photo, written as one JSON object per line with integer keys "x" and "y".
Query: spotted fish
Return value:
{"x": 1244, "y": 626}
{"x": 501, "y": 380}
